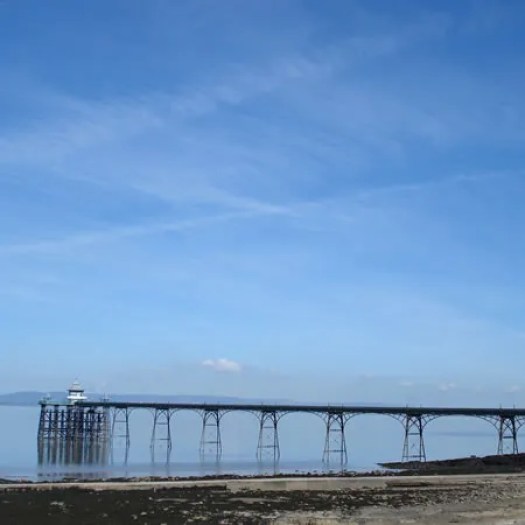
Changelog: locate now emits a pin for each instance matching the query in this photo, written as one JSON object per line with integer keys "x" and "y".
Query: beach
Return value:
{"x": 495, "y": 499}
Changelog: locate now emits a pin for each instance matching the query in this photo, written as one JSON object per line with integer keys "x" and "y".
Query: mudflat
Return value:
{"x": 495, "y": 499}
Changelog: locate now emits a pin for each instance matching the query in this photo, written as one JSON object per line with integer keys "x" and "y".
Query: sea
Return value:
{"x": 370, "y": 440}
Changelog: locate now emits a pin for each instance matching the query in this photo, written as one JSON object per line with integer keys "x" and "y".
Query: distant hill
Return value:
{"x": 32, "y": 398}
{"x": 26, "y": 398}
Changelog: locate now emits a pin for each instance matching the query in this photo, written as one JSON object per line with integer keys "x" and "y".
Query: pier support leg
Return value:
{"x": 54, "y": 422}
{"x": 211, "y": 444}
{"x": 414, "y": 444}
{"x": 335, "y": 442}
{"x": 507, "y": 435}
{"x": 75, "y": 424}
{"x": 268, "y": 444}
{"x": 44, "y": 425}
{"x": 101, "y": 425}
{"x": 161, "y": 433}
{"x": 120, "y": 426}
{"x": 93, "y": 425}
{"x": 120, "y": 434}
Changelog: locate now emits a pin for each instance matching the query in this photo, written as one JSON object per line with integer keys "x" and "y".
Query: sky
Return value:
{"x": 283, "y": 199}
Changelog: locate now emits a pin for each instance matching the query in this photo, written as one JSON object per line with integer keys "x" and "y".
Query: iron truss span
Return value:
{"x": 335, "y": 409}
{"x": 78, "y": 423}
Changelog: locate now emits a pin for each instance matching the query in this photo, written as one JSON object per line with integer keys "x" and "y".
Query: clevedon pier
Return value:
{"x": 83, "y": 427}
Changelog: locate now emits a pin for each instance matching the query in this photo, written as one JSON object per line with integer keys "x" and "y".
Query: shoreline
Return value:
{"x": 299, "y": 482}
{"x": 205, "y": 478}
{"x": 472, "y": 465}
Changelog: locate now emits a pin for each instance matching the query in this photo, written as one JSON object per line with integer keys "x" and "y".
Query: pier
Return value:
{"x": 102, "y": 422}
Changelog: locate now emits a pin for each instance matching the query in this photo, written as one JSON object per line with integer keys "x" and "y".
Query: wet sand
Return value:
{"x": 495, "y": 499}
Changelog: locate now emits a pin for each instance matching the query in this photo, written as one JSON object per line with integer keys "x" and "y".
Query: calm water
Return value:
{"x": 370, "y": 439}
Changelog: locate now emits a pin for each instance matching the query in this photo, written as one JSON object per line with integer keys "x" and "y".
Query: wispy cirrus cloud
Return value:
{"x": 87, "y": 124}
{"x": 113, "y": 234}
{"x": 83, "y": 124}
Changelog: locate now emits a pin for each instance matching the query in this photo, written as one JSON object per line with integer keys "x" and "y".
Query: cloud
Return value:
{"x": 222, "y": 365}
{"x": 446, "y": 387}
{"x": 80, "y": 125}
{"x": 110, "y": 235}
{"x": 84, "y": 124}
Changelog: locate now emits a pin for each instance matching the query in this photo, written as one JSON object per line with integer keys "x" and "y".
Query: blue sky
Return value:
{"x": 320, "y": 200}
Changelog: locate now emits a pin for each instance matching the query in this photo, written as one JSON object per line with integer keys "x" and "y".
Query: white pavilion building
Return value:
{"x": 76, "y": 393}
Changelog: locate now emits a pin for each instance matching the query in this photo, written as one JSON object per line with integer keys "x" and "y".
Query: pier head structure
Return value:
{"x": 69, "y": 433}
{"x": 106, "y": 421}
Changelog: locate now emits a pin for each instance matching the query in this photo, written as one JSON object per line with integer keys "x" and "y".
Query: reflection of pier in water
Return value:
{"x": 58, "y": 451}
